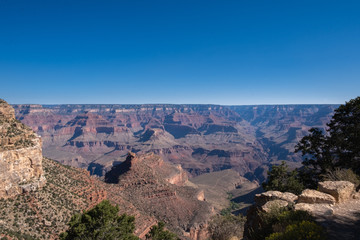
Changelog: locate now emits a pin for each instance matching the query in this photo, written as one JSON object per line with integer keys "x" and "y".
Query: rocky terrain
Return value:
{"x": 150, "y": 196}
{"x": 336, "y": 206}
{"x": 202, "y": 138}
{"x": 144, "y": 186}
{"x": 163, "y": 191}
{"x": 43, "y": 214}
{"x": 221, "y": 186}
{"x": 131, "y": 150}
{"x": 20, "y": 155}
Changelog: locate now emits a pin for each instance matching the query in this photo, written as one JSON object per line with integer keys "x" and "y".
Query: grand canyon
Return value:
{"x": 181, "y": 164}
{"x": 201, "y": 138}
{"x": 179, "y": 120}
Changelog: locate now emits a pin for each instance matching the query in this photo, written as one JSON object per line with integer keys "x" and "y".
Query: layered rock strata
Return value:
{"x": 202, "y": 138}
{"x": 161, "y": 189}
{"x": 20, "y": 155}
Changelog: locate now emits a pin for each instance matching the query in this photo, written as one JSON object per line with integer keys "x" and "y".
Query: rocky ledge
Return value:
{"x": 20, "y": 155}
{"x": 336, "y": 206}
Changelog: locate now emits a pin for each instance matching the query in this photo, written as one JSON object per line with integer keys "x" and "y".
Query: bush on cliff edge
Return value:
{"x": 280, "y": 223}
{"x": 300, "y": 231}
{"x": 100, "y": 222}
{"x": 280, "y": 178}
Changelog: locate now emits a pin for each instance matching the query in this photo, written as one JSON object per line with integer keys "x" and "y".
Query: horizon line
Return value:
{"x": 178, "y": 104}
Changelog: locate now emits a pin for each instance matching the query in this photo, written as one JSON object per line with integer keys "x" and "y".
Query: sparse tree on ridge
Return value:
{"x": 280, "y": 178}
{"x": 338, "y": 147}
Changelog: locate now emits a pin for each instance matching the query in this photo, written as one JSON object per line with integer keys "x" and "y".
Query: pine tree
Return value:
{"x": 337, "y": 147}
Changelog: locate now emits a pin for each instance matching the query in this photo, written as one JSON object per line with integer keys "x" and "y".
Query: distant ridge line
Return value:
{"x": 172, "y": 105}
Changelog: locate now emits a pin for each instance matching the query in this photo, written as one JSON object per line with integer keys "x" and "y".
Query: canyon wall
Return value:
{"x": 20, "y": 155}
{"x": 201, "y": 138}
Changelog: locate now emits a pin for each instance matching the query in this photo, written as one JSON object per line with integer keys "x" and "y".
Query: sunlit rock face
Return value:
{"x": 20, "y": 155}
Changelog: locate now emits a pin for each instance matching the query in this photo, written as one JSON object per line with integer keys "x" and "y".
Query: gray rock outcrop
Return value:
{"x": 336, "y": 206}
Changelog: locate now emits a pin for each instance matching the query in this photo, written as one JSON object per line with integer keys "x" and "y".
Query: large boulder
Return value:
{"x": 265, "y": 202}
{"x": 262, "y": 198}
{"x": 313, "y": 196}
{"x": 341, "y": 190}
{"x": 320, "y": 209}
{"x": 274, "y": 204}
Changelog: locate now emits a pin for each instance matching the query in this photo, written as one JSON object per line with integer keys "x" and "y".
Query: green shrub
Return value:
{"x": 280, "y": 178}
{"x": 287, "y": 218}
{"x": 157, "y": 232}
{"x": 233, "y": 206}
{"x": 300, "y": 231}
{"x": 100, "y": 222}
{"x": 277, "y": 221}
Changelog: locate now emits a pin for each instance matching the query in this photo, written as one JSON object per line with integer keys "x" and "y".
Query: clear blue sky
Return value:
{"x": 172, "y": 51}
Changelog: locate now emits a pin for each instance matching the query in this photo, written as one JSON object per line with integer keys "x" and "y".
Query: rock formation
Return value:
{"x": 336, "y": 206}
{"x": 202, "y": 138}
{"x": 44, "y": 214}
{"x": 145, "y": 186}
{"x": 161, "y": 189}
{"x": 144, "y": 191}
{"x": 20, "y": 155}
{"x": 340, "y": 190}
{"x": 313, "y": 196}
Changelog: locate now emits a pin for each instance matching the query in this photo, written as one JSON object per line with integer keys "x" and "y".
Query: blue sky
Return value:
{"x": 219, "y": 52}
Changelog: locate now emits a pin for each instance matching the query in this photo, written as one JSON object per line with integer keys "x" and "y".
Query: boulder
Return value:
{"x": 315, "y": 209}
{"x": 274, "y": 204}
{"x": 342, "y": 191}
{"x": 262, "y": 198}
{"x": 35, "y": 185}
{"x": 313, "y": 196}
{"x": 200, "y": 195}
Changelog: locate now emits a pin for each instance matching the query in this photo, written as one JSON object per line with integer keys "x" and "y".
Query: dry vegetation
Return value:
{"x": 43, "y": 214}
{"x": 15, "y": 135}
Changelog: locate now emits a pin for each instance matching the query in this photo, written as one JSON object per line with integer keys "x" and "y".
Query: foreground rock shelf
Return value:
{"x": 336, "y": 206}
